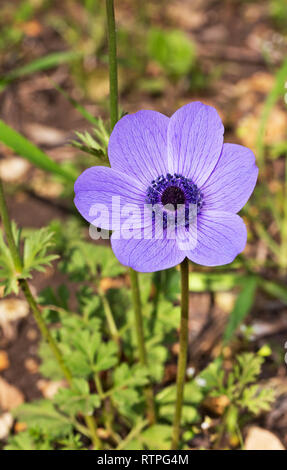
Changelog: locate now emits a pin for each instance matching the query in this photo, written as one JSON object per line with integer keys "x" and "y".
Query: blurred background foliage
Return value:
{"x": 54, "y": 88}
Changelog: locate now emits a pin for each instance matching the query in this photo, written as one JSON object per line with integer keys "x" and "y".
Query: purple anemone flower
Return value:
{"x": 167, "y": 163}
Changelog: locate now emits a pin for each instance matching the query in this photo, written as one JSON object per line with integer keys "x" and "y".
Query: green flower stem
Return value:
{"x": 141, "y": 344}
{"x": 99, "y": 386}
{"x": 90, "y": 422}
{"x": 45, "y": 331}
{"x": 183, "y": 345}
{"x": 114, "y": 114}
{"x": 109, "y": 317}
{"x": 91, "y": 425}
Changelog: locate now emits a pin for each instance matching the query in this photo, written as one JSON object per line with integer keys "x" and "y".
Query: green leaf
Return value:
{"x": 35, "y": 254}
{"x": 88, "y": 344}
{"x": 72, "y": 442}
{"x": 106, "y": 356}
{"x": 90, "y": 306}
{"x": 36, "y": 245}
{"x": 88, "y": 144}
{"x": 247, "y": 368}
{"x": 124, "y": 393}
{"x": 242, "y": 307}
{"x": 189, "y": 415}
{"x": 239, "y": 385}
{"x": 76, "y": 361}
{"x": 41, "y": 415}
{"x": 170, "y": 283}
{"x": 193, "y": 395}
{"x": 110, "y": 266}
{"x": 23, "y": 147}
{"x": 157, "y": 355}
{"x": 168, "y": 317}
{"x": 135, "y": 444}
{"x": 125, "y": 376}
{"x": 8, "y": 275}
{"x": 125, "y": 399}
{"x": 84, "y": 259}
{"x": 256, "y": 400}
{"x": 79, "y": 340}
{"x": 212, "y": 377}
{"x": 49, "y": 367}
{"x": 77, "y": 399}
{"x": 59, "y": 298}
{"x": 22, "y": 441}
{"x": 157, "y": 437}
{"x": 27, "y": 440}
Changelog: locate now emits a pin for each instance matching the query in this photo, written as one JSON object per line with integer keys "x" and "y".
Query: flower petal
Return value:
{"x": 102, "y": 193}
{"x": 146, "y": 255}
{"x": 220, "y": 237}
{"x": 232, "y": 181}
{"x": 195, "y": 138}
{"x": 138, "y": 146}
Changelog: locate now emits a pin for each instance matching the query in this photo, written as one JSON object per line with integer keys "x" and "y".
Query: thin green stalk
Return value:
{"x": 183, "y": 345}
{"x": 133, "y": 434}
{"x": 240, "y": 437}
{"x": 156, "y": 290}
{"x": 109, "y": 316}
{"x": 110, "y": 416}
{"x": 138, "y": 315}
{"x": 141, "y": 342}
{"x": 91, "y": 424}
{"x": 36, "y": 311}
{"x": 99, "y": 386}
{"x": 45, "y": 331}
{"x": 112, "y": 42}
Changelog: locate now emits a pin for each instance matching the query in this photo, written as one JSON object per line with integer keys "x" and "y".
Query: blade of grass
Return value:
{"x": 274, "y": 95}
{"x": 43, "y": 63}
{"x": 23, "y": 147}
{"x": 88, "y": 116}
{"x": 274, "y": 289}
{"x": 264, "y": 235}
{"x": 242, "y": 307}
{"x": 273, "y": 205}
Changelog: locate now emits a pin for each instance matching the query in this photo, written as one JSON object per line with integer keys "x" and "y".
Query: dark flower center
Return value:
{"x": 175, "y": 190}
{"x": 173, "y": 195}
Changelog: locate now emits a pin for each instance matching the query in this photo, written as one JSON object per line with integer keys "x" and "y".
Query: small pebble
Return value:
{"x": 4, "y": 360}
